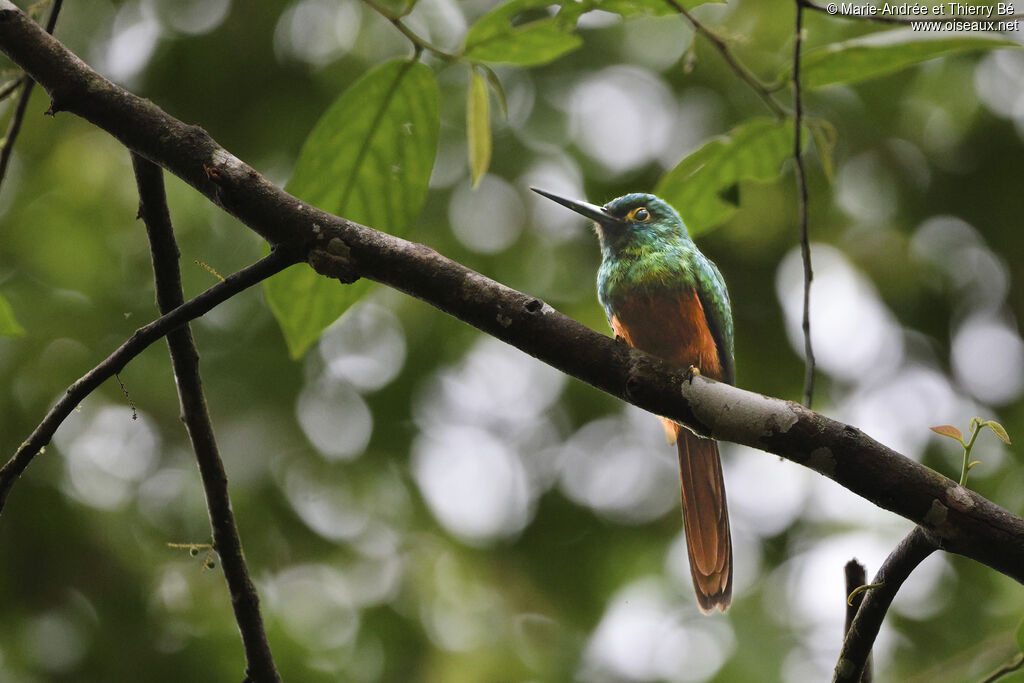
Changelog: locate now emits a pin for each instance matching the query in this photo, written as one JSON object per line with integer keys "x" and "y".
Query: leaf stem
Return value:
{"x": 723, "y": 48}
{"x": 1007, "y": 668}
{"x": 421, "y": 44}
{"x": 976, "y": 427}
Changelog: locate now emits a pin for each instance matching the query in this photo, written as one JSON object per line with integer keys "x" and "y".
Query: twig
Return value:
{"x": 1007, "y": 668}
{"x": 885, "y": 19}
{"x": 26, "y": 83}
{"x": 7, "y": 144}
{"x": 115, "y": 362}
{"x": 963, "y": 521}
{"x": 185, "y": 362}
{"x": 723, "y": 48}
{"x": 124, "y": 390}
{"x": 856, "y": 577}
{"x": 801, "y": 184}
{"x": 419, "y": 43}
{"x": 911, "y": 551}
{"x": 11, "y": 86}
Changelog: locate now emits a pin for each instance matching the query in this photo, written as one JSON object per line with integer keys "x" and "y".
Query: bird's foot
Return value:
{"x": 691, "y": 372}
{"x": 620, "y": 339}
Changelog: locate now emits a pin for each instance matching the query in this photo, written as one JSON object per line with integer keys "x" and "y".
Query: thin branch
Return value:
{"x": 419, "y": 43}
{"x": 961, "y": 520}
{"x": 10, "y": 87}
{"x": 723, "y": 48}
{"x": 14, "y": 127}
{"x": 127, "y": 396}
{"x": 912, "y": 551}
{"x": 26, "y": 83}
{"x": 856, "y": 577}
{"x": 185, "y": 362}
{"x": 1007, "y": 668}
{"x": 801, "y": 185}
{"x": 115, "y": 362}
{"x": 885, "y": 19}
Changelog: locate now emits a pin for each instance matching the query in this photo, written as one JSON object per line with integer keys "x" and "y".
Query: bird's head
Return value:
{"x": 636, "y": 219}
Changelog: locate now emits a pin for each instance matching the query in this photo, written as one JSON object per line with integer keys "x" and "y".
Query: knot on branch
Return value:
{"x": 199, "y": 135}
{"x": 937, "y": 520}
{"x": 226, "y": 172}
{"x": 334, "y": 260}
{"x": 636, "y": 376}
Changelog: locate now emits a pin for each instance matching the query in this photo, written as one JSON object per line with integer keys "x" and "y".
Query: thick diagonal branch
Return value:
{"x": 185, "y": 362}
{"x": 962, "y": 521}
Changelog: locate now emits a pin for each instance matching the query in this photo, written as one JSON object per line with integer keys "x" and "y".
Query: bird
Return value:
{"x": 663, "y": 296}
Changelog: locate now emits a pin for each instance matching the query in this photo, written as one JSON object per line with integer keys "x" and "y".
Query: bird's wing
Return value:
{"x": 714, "y": 297}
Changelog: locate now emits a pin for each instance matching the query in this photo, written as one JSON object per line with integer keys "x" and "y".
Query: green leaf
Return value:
{"x": 998, "y": 430}
{"x": 478, "y": 127}
{"x": 492, "y": 79}
{"x": 498, "y": 36}
{"x": 885, "y": 52}
{"x": 368, "y": 159}
{"x": 754, "y": 150}
{"x": 495, "y": 38}
{"x": 1019, "y": 635}
{"x": 1015, "y": 676}
{"x": 9, "y": 326}
{"x": 950, "y": 431}
{"x": 635, "y": 8}
{"x": 825, "y": 140}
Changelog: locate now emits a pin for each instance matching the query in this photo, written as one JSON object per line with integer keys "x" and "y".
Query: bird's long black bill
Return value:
{"x": 591, "y": 211}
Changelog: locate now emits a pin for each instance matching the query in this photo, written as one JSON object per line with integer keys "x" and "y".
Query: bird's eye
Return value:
{"x": 640, "y": 215}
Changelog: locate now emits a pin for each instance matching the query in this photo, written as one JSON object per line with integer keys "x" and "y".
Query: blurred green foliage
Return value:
{"x": 418, "y": 503}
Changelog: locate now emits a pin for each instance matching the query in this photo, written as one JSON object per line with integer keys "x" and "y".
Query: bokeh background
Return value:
{"x": 419, "y": 502}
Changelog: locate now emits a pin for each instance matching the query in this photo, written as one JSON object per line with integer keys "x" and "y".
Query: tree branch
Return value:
{"x": 911, "y": 552}
{"x": 115, "y": 362}
{"x": 735, "y": 64}
{"x": 856, "y": 577}
{"x": 961, "y": 520}
{"x": 26, "y": 83}
{"x": 418, "y": 43}
{"x": 185, "y": 362}
{"x": 801, "y": 186}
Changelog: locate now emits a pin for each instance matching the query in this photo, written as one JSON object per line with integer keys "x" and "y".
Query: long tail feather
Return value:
{"x": 705, "y": 520}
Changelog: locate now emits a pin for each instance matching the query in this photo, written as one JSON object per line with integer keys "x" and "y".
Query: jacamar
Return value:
{"x": 663, "y": 296}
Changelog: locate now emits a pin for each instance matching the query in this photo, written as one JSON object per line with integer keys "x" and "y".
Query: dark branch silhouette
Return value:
{"x": 911, "y": 552}
{"x": 26, "y": 84}
{"x": 801, "y": 186}
{"x": 735, "y": 64}
{"x": 185, "y": 362}
{"x": 960, "y": 520}
{"x": 856, "y": 577}
{"x": 115, "y": 362}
